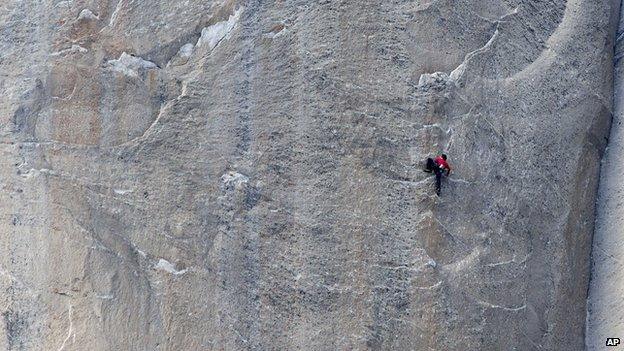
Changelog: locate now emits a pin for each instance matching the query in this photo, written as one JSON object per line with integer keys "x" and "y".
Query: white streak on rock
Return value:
{"x": 168, "y": 267}
{"x": 87, "y": 14}
{"x": 36, "y": 172}
{"x": 458, "y": 72}
{"x": 186, "y": 50}
{"x": 130, "y": 65}
{"x": 142, "y": 253}
{"x": 211, "y": 36}
{"x": 511, "y": 309}
{"x": 183, "y": 55}
{"x": 105, "y": 297}
{"x": 115, "y": 13}
{"x": 502, "y": 263}
{"x": 72, "y": 50}
{"x": 63, "y": 3}
{"x": 456, "y": 180}
{"x": 69, "y": 331}
{"x": 434, "y": 286}
{"x": 436, "y": 79}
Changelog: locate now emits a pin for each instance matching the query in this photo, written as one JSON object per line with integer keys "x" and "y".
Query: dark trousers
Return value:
{"x": 438, "y": 173}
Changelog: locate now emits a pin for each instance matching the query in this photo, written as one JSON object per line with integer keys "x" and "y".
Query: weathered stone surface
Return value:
{"x": 605, "y": 306}
{"x": 246, "y": 175}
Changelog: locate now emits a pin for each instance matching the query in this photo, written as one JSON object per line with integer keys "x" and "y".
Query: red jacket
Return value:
{"x": 442, "y": 163}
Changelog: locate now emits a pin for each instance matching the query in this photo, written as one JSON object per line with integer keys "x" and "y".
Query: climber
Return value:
{"x": 438, "y": 165}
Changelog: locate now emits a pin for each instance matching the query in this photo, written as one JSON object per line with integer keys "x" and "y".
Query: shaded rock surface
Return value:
{"x": 605, "y": 318}
{"x": 246, "y": 175}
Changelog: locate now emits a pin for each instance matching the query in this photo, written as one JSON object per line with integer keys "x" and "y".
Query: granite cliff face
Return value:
{"x": 605, "y": 317}
{"x": 246, "y": 175}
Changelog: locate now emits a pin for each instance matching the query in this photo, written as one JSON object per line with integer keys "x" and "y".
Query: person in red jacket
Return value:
{"x": 438, "y": 166}
{"x": 440, "y": 161}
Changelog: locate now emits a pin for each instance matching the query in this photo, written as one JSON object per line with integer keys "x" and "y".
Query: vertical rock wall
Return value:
{"x": 246, "y": 175}
{"x": 605, "y": 313}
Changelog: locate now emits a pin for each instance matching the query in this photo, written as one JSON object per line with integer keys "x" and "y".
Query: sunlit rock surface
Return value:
{"x": 246, "y": 175}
